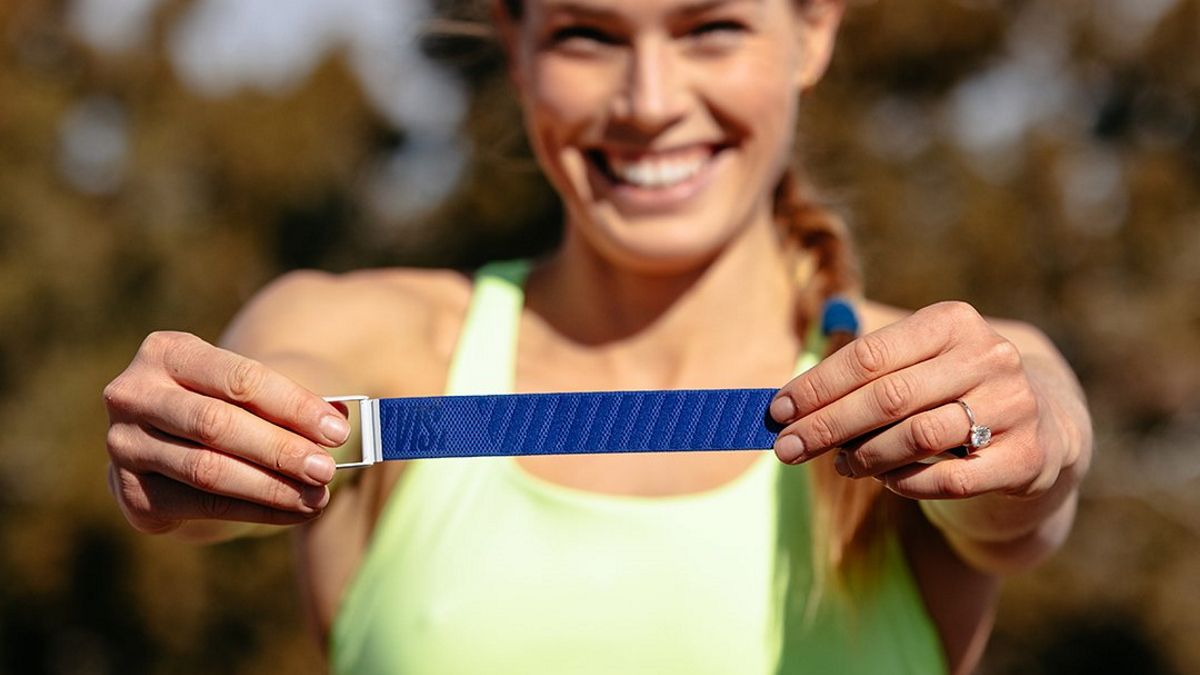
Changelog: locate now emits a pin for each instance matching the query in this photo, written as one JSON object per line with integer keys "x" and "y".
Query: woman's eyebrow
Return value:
{"x": 582, "y": 9}
{"x": 709, "y": 5}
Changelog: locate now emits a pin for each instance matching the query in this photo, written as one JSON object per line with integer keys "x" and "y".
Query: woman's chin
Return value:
{"x": 662, "y": 250}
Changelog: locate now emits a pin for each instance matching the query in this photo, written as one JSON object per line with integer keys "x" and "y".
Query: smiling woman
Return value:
{"x": 661, "y": 139}
{"x": 692, "y": 258}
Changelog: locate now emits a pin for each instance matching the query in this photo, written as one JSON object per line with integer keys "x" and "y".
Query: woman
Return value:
{"x": 691, "y": 259}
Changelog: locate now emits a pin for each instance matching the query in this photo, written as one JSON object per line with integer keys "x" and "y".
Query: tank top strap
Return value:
{"x": 485, "y": 357}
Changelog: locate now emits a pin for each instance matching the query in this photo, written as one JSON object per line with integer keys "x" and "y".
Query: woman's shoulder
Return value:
{"x": 420, "y": 287}
{"x": 875, "y": 315}
{"x": 332, "y": 317}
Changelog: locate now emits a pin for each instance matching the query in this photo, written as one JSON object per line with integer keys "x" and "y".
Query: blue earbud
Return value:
{"x": 838, "y": 316}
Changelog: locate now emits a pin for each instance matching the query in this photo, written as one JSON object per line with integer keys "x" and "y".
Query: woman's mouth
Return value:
{"x": 655, "y": 180}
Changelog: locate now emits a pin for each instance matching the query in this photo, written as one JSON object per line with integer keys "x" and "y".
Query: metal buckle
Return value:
{"x": 368, "y": 422}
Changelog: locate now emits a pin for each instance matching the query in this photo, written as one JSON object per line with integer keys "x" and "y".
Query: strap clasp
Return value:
{"x": 368, "y": 423}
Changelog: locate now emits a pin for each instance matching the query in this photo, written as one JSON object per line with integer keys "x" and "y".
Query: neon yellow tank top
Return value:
{"x": 477, "y": 566}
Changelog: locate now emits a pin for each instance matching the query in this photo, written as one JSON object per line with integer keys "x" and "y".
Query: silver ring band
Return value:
{"x": 980, "y": 435}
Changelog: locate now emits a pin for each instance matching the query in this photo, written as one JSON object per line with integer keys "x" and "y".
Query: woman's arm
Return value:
{"x": 1004, "y": 533}
{"x": 887, "y": 404}
{"x": 210, "y": 443}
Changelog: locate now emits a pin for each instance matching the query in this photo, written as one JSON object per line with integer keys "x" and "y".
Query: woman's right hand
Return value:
{"x": 200, "y": 433}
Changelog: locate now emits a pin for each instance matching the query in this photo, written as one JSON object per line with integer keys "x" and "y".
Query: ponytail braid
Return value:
{"x": 817, "y": 241}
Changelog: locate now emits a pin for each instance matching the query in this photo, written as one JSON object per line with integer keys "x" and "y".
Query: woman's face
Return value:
{"x": 665, "y": 124}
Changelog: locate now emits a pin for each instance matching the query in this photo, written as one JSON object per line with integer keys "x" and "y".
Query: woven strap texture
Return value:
{"x": 574, "y": 423}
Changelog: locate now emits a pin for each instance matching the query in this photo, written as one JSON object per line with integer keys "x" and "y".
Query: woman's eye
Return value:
{"x": 582, "y": 35}
{"x": 717, "y": 33}
{"x": 718, "y": 27}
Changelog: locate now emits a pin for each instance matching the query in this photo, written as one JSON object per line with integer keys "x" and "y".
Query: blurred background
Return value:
{"x": 162, "y": 159}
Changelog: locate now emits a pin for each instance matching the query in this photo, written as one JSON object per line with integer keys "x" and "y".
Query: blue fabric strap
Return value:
{"x": 573, "y": 423}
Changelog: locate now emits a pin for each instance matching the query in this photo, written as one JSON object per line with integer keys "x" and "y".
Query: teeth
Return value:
{"x": 657, "y": 172}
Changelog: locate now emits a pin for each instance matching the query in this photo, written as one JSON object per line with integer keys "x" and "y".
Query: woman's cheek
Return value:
{"x": 756, "y": 85}
{"x": 569, "y": 93}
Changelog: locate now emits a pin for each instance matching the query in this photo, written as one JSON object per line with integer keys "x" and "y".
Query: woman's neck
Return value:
{"x": 698, "y": 327}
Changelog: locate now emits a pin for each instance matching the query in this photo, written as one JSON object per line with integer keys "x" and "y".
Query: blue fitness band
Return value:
{"x": 563, "y": 424}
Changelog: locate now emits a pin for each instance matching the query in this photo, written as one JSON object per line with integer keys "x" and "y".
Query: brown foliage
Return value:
{"x": 1086, "y": 223}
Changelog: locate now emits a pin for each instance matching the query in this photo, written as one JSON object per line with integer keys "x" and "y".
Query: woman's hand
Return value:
{"x": 887, "y": 401}
{"x": 200, "y": 433}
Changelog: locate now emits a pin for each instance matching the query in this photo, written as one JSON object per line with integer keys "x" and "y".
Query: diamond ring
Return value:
{"x": 980, "y": 435}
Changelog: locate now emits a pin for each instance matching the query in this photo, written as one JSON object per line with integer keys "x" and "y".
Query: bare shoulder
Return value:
{"x": 876, "y": 315}
{"x": 383, "y": 313}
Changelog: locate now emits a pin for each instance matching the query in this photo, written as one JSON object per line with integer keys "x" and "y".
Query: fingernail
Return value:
{"x": 314, "y": 497}
{"x": 319, "y": 467}
{"x": 335, "y": 428}
{"x": 842, "y": 465}
{"x": 782, "y": 409}
{"x": 790, "y": 449}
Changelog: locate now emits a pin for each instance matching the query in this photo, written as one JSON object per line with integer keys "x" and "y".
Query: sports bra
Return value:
{"x": 478, "y": 566}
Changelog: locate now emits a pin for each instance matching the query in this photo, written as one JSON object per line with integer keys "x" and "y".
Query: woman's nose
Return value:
{"x": 655, "y": 88}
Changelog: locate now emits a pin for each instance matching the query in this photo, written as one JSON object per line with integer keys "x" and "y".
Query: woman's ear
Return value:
{"x": 817, "y": 24}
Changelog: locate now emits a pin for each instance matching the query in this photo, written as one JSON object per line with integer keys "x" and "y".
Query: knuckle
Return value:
{"x": 864, "y": 460}
{"x": 279, "y": 494}
{"x": 822, "y": 432}
{"x": 894, "y": 395}
{"x": 959, "y": 311}
{"x": 1024, "y": 404}
{"x": 929, "y": 434}
{"x": 870, "y": 354}
{"x": 1039, "y": 476}
{"x": 137, "y": 505}
{"x": 303, "y": 407}
{"x": 131, "y": 494}
{"x": 117, "y": 441}
{"x": 122, "y": 395}
{"x": 956, "y": 482}
{"x": 177, "y": 351}
{"x": 211, "y": 422}
{"x": 116, "y": 394}
{"x": 154, "y": 344}
{"x": 212, "y": 506}
{"x": 1004, "y": 355}
{"x": 288, "y": 456}
{"x": 244, "y": 380}
{"x": 161, "y": 342}
{"x": 285, "y": 454}
{"x": 808, "y": 393}
{"x": 204, "y": 469}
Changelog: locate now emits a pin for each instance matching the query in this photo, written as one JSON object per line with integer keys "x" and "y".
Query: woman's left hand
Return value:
{"x": 888, "y": 400}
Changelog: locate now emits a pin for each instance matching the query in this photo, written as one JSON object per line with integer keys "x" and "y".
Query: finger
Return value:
{"x": 215, "y": 424}
{"x": 912, "y": 340}
{"x": 887, "y": 400}
{"x": 157, "y": 504}
{"x": 220, "y": 373}
{"x": 151, "y": 451}
{"x": 990, "y": 470}
{"x": 919, "y": 437}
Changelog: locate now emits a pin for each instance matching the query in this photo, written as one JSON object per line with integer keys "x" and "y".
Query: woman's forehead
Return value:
{"x": 610, "y": 7}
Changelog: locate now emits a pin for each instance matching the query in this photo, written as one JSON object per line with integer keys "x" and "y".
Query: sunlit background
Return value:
{"x": 162, "y": 159}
